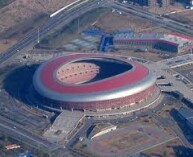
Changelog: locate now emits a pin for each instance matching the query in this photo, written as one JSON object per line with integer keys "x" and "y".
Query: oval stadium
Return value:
{"x": 93, "y": 82}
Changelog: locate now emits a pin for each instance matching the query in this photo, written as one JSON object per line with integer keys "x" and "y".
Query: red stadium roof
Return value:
{"x": 47, "y": 76}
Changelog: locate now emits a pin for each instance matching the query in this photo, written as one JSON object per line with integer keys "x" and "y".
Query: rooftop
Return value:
{"x": 172, "y": 38}
{"x": 130, "y": 77}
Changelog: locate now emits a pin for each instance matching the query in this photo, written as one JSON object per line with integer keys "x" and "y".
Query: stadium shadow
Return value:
{"x": 188, "y": 133}
{"x": 18, "y": 82}
{"x": 181, "y": 151}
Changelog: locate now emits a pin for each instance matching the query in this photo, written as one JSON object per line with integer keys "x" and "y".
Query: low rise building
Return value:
{"x": 164, "y": 42}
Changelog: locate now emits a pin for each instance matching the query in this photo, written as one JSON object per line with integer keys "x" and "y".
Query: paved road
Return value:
{"x": 163, "y": 21}
{"x": 63, "y": 18}
{"x": 25, "y": 136}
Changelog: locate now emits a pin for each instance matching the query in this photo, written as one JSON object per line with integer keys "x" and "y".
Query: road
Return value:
{"x": 20, "y": 133}
{"x": 62, "y": 18}
{"x": 163, "y": 21}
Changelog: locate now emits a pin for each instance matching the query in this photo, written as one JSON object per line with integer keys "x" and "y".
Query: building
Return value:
{"x": 93, "y": 82}
{"x": 164, "y": 42}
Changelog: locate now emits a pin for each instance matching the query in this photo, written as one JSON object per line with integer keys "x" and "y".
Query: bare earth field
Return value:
{"x": 5, "y": 44}
{"x": 167, "y": 149}
{"x": 127, "y": 140}
{"x": 114, "y": 21}
{"x": 185, "y": 16}
{"x": 18, "y": 18}
{"x": 168, "y": 9}
{"x": 146, "y": 55}
{"x": 20, "y": 10}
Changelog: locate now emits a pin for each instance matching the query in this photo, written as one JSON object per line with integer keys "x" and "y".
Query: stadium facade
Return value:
{"x": 164, "y": 42}
{"x": 93, "y": 82}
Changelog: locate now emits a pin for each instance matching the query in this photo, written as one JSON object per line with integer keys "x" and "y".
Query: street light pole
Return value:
{"x": 38, "y": 36}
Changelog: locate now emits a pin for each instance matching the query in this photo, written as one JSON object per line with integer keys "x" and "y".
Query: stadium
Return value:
{"x": 93, "y": 82}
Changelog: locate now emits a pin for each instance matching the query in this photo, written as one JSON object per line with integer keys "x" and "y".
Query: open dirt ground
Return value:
{"x": 21, "y": 16}
{"x": 21, "y": 9}
{"x": 167, "y": 149}
{"x": 5, "y": 44}
{"x": 167, "y": 9}
{"x": 184, "y": 16}
{"x": 114, "y": 21}
{"x": 126, "y": 140}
